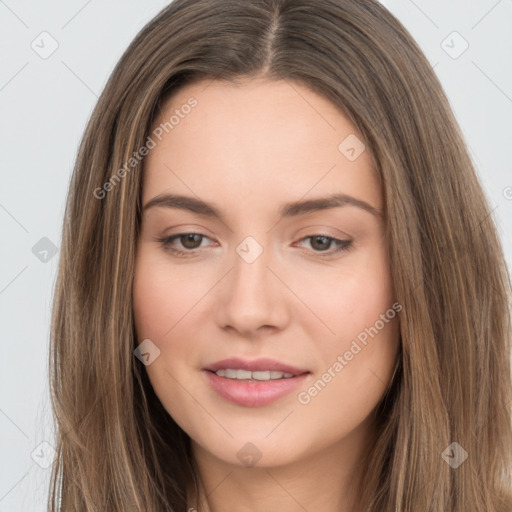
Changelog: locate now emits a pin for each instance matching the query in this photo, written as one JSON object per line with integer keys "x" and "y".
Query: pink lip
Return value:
{"x": 253, "y": 393}
{"x": 254, "y": 366}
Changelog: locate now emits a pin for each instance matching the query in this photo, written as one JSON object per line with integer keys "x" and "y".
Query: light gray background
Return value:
{"x": 45, "y": 104}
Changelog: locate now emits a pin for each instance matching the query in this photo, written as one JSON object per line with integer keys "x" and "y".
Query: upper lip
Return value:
{"x": 254, "y": 365}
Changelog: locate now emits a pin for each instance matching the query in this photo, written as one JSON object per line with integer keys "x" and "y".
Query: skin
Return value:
{"x": 248, "y": 149}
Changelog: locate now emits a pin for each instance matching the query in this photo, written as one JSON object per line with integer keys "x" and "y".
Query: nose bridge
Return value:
{"x": 250, "y": 263}
{"x": 250, "y": 272}
{"x": 251, "y": 297}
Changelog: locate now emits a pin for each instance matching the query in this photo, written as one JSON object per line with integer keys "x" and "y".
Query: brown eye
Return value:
{"x": 190, "y": 240}
{"x": 187, "y": 243}
{"x": 322, "y": 244}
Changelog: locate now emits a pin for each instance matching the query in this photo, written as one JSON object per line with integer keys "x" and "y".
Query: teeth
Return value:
{"x": 246, "y": 375}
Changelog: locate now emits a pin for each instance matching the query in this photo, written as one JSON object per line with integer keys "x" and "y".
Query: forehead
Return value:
{"x": 256, "y": 138}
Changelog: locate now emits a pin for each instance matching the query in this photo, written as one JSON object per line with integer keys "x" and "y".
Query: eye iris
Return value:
{"x": 190, "y": 237}
{"x": 325, "y": 245}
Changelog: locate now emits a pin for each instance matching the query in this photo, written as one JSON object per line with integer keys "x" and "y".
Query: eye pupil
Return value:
{"x": 326, "y": 243}
{"x": 190, "y": 237}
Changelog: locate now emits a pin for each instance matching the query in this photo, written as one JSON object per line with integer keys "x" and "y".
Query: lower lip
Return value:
{"x": 253, "y": 393}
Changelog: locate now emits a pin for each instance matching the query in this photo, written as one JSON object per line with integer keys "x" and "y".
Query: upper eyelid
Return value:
{"x": 314, "y": 230}
{"x": 177, "y": 235}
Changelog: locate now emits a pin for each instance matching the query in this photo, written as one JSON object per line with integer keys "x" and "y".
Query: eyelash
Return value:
{"x": 343, "y": 245}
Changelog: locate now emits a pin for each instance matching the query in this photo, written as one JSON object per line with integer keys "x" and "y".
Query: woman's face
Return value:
{"x": 274, "y": 263}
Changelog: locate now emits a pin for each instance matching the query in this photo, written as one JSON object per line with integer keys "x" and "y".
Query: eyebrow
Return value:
{"x": 287, "y": 210}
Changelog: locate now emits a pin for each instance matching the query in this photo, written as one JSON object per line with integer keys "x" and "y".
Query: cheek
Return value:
{"x": 162, "y": 304}
{"x": 357, "y": 338}
{"x": 348, "y": 298}
{"x": 162, "y": 296}
{"x": 356, "y": 363}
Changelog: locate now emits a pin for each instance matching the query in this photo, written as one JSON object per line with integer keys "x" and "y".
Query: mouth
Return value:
{"x": 239, "y": 374}
{"x": 253, "y": 383}
{"x": 255, "y": 366}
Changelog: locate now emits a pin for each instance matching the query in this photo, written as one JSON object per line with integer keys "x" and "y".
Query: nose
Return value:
{"x": 252, "y": 300}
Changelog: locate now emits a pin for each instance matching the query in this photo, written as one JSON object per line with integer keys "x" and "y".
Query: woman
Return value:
{"x": 280, "y": 284}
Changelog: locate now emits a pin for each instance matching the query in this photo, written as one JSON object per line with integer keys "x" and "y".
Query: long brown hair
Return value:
{"x": 117, "y": 447}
